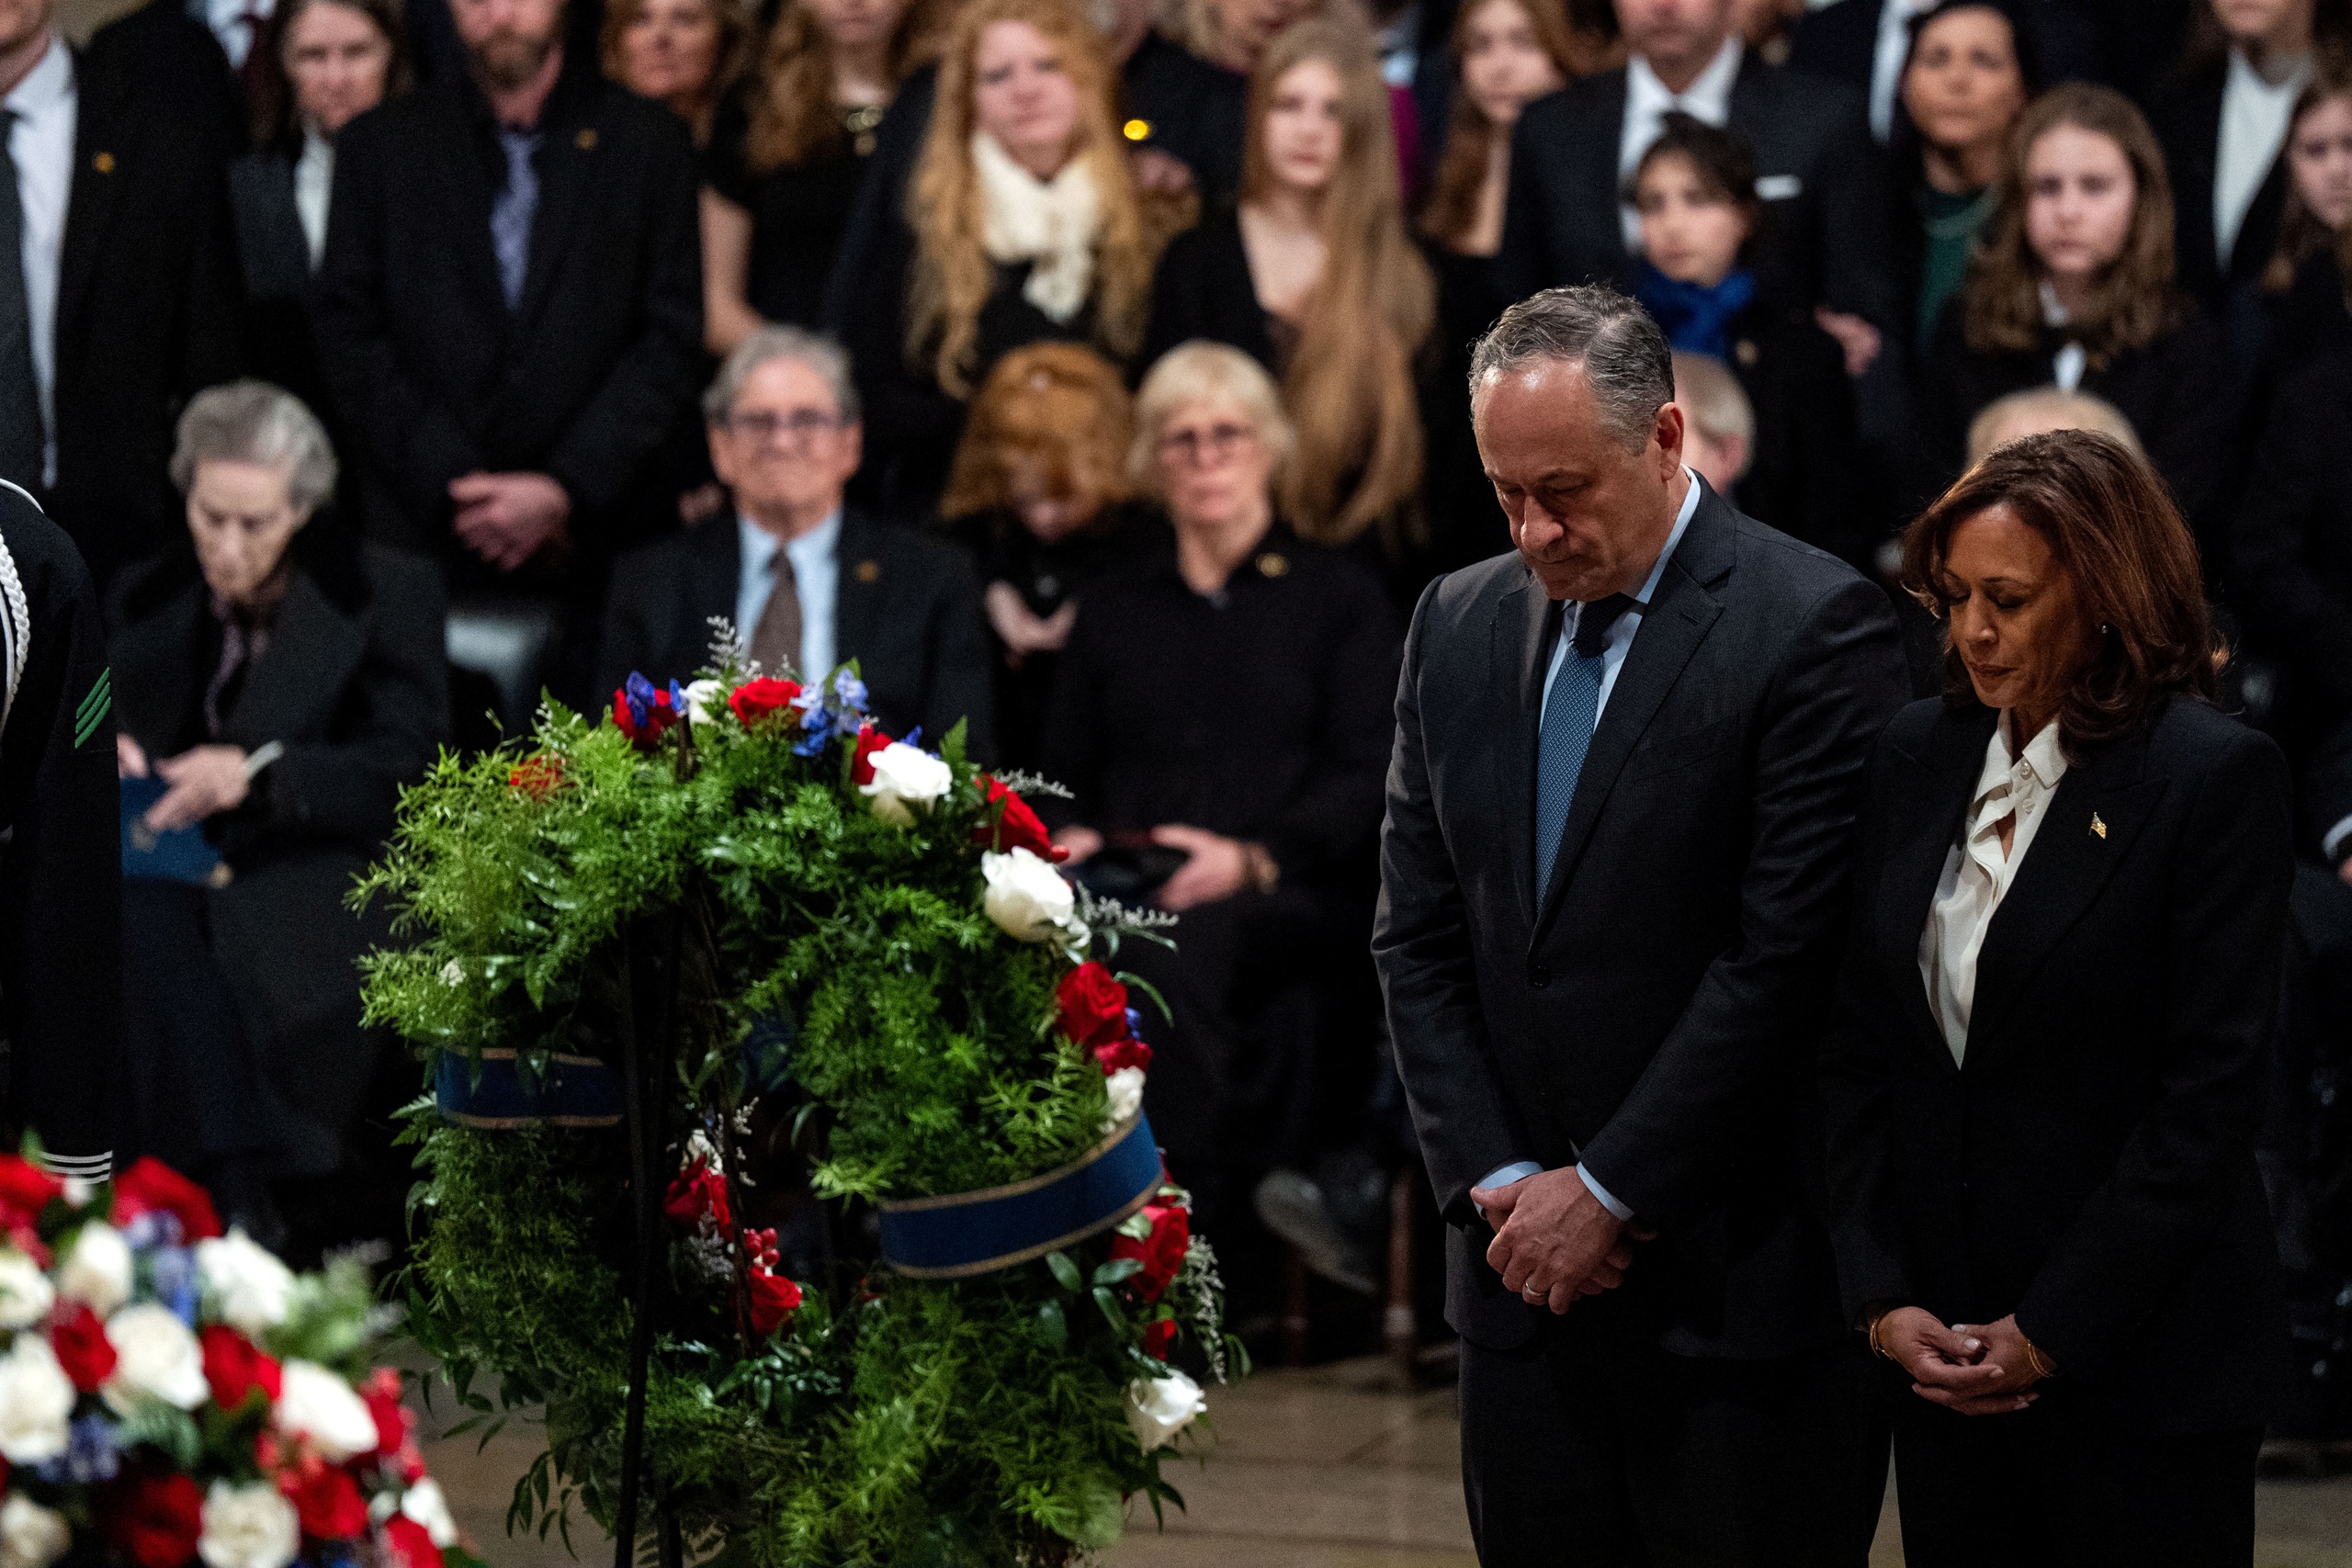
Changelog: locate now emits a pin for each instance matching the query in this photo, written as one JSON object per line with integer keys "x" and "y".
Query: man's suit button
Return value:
{"x": 1539, "y": 975}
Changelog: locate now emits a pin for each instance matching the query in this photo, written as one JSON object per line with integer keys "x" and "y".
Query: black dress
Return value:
{"x": 1202, "y": 289}
{"x": 1190, "y": 109}
{"x": 1466, "y": 523}
{"x": 799, "y": 211}
{"x": 1804, "y": 468}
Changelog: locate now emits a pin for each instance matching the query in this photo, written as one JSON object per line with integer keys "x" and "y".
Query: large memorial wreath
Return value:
{"x": 729, "y": 946}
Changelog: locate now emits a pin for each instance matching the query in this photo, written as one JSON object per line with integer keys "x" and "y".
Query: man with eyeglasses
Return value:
{"x": 806, "y": 583}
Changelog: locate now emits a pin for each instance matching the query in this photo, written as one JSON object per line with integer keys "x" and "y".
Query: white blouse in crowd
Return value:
{"x": 313, "y": 183}
{"x": 2254, "y": 115}
{"x": 1977, "y": 874}
{"x": 2066, "y": 366}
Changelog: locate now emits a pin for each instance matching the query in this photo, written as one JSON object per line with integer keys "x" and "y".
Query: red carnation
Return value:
{"x": 538, "y": 777}
{"x": 773, "y": 1298}
{"x": 151, "y": 1187}
{"x": 661, "y": 715}
{"x": 1017, "y": 828}
{"x": 699, "y": 1191}
{"x": 25, "y": 1191}
{"x": 1158, "y": 1335}
{"x": 325, "y": 1499}
{"x": 754, "y": 700}
{"x": 408, "y": 1544}
{"x": 382, "y": 1393}
{"x": 1118, "y": 1054}
{"x": 860, "y": 759}
{"x": 155, "y": 1518}
{"x": 83, "y": 1349}
{"x": 1094, "y": 1005}
{"x": 1162, "y": 1253}
{"x": 235, "y": 1367}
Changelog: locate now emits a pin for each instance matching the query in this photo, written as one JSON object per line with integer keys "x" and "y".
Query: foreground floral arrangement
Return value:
{"x": 169, "y": 1393}
{"x": 887, "y": 994}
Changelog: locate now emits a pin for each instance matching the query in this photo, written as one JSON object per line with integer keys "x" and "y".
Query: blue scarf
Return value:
{"x": 1695, "y": 319}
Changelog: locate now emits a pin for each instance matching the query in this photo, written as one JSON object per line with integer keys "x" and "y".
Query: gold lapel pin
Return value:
{"x": 869, "y": 571}
{"x": 2097, "y": 825}
{"x": 103, "y": 162}
{"x": 586, "y": 139}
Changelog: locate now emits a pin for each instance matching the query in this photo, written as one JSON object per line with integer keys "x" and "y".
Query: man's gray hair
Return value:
{"x": 820, "y": 353}
{"x": 252, "y": 421}
{"x": 1625, "y": 358}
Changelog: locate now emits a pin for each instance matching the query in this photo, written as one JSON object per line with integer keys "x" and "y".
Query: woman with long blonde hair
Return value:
{"x": 1314, "y": 275}
{"x": 1022, "y": 224}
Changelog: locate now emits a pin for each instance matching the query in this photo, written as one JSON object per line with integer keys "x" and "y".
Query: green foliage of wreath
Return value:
{"x": 888, "y": 1420}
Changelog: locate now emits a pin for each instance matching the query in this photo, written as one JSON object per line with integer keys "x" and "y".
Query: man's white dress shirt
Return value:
{"x": 1977, "y": 874}
{"x": 314, "y": 185}
{"x": 1647, "y": 102}
{"x": 40, "y": 141}
{"x": 816, "y": 573}
{"x": 1887, "y": 60}
{"x": 2255, "y": 112}
{"x": 1612, "y": 659}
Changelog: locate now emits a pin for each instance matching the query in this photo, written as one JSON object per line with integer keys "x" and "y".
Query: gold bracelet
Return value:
{"x": 1877, "y": 1349}
{"x": 2037, "y": 1361}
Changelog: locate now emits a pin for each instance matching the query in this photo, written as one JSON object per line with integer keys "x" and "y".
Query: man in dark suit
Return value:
{"x": 509, "y": 312}
{"x": 125, "y": 304}
{"x": 807, "y": 583}
{"x": 1823, "y": 240}
{"x": 1627, "y": 764}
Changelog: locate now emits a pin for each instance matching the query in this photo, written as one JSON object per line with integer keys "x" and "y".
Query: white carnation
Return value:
{"x": 425, "y": 1503}
{"x": 705, "y": 700}
{"x": 1126, "y": 1088}
{"x": 36, "y": 1403}
{"x": 97, "y": 1271}
{"x": 906, "y": 776}
{"x": 30, "y": 1535}
{"x": 26, "y": 1294}
{"x": 248, "y": 1288}
{"x": 248, "y": 1527}
{"x": 155, "y": 1356}
{"x": 315, "y": 1404}
{"x": 1158, "y": 1408}
{"x": 1025, "y": 895}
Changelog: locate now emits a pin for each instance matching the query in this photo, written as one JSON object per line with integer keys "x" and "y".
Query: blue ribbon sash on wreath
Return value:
{"x": 963, "y": 1233}
{"x": 571, "y": 1091}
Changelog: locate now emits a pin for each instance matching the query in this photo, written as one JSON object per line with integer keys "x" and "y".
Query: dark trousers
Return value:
{"x": 2063, "y": 1485}
{"x": 1589, "y": 1445}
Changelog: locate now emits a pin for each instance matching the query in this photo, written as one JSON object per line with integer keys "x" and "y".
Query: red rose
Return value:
{"x": 861, "y": 760}
{"x": 538, "y": 777}
{"x": 1118, "y": 1054}
{"x": 325, "y": 1499}
{"x": 699, "y": 1191}
{"x": 235, "y": 1367}
{"x": 154, "y": 1519}
{"x": 382, "y": 1393}
{"x": 1162, "y": 1253}
{"x": 774, "y": 1298}
{"x": 25, "y": 1191}
{"x": 82, "y": 1346}
{"x": 1158, "y": 1335}
{"x": 408, "y": 1544}
{"x": 151, "y": 1187}
{"x": 1017, "y": 828}
{"x": 754, "y": 700}
{"x": 1094, "y": 1005}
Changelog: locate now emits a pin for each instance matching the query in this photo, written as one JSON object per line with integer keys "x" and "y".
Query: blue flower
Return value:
{"x": 1135, "y": 1023}
{"x": 93, "y": 1454}
{"x": 173, "y": 1275}
{"x": 153, "y": 1227}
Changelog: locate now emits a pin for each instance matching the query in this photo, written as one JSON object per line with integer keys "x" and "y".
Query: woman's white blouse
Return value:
{"x": 1976, "y": 874}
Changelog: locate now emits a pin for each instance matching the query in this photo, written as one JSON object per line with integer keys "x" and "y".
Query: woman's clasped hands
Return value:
{"x": 1976, "y": 1369}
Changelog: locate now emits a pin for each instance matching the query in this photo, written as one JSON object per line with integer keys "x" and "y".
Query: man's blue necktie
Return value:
{"x": 1570, "y": 714}
{"x": 511, "y": 212}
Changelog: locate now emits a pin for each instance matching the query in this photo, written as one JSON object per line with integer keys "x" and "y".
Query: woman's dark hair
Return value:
{"x": 1578, "y": 45}
{"x": 1906, "y": 146}
{"x": 2300, "y": 233}
{"x": 275, "y": 120}
{"x": 1725, "y": 167}
{"x": 2117, "y": 534}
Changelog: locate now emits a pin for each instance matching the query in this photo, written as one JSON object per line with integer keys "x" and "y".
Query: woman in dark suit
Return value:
{"x": 276, "y": 687}
{"x": 2045, "y": 1076}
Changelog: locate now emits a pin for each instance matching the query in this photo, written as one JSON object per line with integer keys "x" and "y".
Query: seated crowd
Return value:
{"x": 1094, "y": 373}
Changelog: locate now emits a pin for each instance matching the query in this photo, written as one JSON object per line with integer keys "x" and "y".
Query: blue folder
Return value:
{"x": 184, "y": 854}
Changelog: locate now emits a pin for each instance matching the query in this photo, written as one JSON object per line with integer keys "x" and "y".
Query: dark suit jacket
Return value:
{"x": 1203, "y": 290}
{"x": 274, "y": 261}
{"x": 1649, "y": 1008}
{"x": 61, "y": 859}
{"x": 147, "y": 308}
{"x": 434, "y": 376}
{"x": 1802, "y": 475}
{"x": 1826, "y": 243}
{"x": 2188, "y": 120}
{"x": 2090, "y": 1166}
{"x": 2291, "y": 566}
{"x": 907, "y": 609}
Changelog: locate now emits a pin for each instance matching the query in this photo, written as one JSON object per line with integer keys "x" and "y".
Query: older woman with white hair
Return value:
{"x": 1221, "y": 717}
{"x": 276, "y": 683}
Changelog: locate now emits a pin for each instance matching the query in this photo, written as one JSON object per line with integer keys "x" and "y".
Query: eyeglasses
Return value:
{"x": 796, "y": 429}
{"x": 1214, "y": 445}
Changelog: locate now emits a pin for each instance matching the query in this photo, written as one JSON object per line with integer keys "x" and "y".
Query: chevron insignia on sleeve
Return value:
{"x": 94, "y": 707}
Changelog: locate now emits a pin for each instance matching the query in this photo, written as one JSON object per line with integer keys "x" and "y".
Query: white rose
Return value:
{"x": 97, "y": 1271}
{"x": 1025, "y": 895}
{"x": 906, "y": 775}
{"x": 36, "y": 1403}
{"x": 705, "y": 700}
{"x": 248, "y": 1288}
{"x": 155, "y": 1356}
{"x": 425, "y": 1503}
{"x": 248, "y": 1527}
{"x": 1126, "y": 1088}
{"x": 1158, "y": 1408}
{"x": 315, "y": 1404}
{"x": 26, "y": 1294}
{"x": 30, "y": 1535}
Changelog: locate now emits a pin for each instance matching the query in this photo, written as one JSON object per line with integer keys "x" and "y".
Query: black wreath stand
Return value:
{"x": 649, "y": 950}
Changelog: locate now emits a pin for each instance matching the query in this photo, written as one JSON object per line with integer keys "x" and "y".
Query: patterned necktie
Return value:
{"x": 20, "y": 421}
{"x": 776, "y": 641}
{"x": 511, "y": 212}
{"x": 1570, "y": 713}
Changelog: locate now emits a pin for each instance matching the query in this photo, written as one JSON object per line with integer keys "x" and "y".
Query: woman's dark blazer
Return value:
{"x": 1202, "y": 289}
{"x": 2091, "y": 1167}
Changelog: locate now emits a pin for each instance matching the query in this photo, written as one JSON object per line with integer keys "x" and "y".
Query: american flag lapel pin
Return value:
{"x": 2097, "y": 825}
